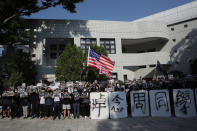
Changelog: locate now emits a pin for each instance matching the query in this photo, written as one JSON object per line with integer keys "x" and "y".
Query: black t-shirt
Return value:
{"x": 84, "y": 97}
{"x": 5, "y": 100}
{"x": 24, "y": 101}
{"x": 76, "y": 97}
{"x": 35, "y": 98}
{"x": 66, "y": 98}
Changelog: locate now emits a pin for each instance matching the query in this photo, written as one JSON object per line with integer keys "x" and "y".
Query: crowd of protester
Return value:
{"x": 70, "y": 101}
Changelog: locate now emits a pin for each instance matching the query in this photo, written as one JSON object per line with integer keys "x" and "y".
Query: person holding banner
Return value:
{"x": 57, "y": 104}
{"x": 76, "y": 103}
{"x": 66, "y": 103}
{"x": 85, "y": 103}
{"x": 48, "y": 104}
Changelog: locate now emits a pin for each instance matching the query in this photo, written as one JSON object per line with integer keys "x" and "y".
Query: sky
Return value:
{"x": 115, "y": 10}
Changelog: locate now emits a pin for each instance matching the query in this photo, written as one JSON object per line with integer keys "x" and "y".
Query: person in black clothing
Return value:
{"x": 85, "y": 103}
{"x": 5, "y": 105}
{"x": 35, "y": 103}
{"x": 66, "y": 102}
{"x": 57, "y": 104}
{"x": 95, "y": 87}
{"x": 76, "y": 103}
{"x": 48, "y": 104}
{"x": 42, "y": 102}
{"x": 13, "y": 103}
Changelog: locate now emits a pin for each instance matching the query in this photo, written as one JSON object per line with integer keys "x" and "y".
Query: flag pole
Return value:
{"x": 88, "y": 54}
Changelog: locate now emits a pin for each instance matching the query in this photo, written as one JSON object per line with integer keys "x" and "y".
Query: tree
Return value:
{"x": 13, "y": 33}
{"x": 10, "y": 9}
{"x": 18, "y": 69}
{"x": 69, "y": 64}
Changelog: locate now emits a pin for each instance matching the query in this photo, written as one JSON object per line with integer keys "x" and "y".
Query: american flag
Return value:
{"x": 100, "y": 61}
{"x": 105, "y": 72}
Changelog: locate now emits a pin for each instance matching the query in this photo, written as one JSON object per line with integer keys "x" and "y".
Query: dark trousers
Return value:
{"x": 48, "y": 110}
{"x": 76, "y": 109}
{"x": 42, "y": 110}
{"x": 57, "y": 108}
{"x": 35, "y": 109}
{"x": 85, "y": 109}
{"x": 14, "y": 110}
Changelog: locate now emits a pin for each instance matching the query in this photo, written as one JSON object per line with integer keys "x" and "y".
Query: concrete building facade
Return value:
{"x": 169, "y": 37}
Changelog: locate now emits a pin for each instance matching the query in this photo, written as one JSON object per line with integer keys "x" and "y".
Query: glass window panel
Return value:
{"x": 53, "y": 47}
{"x": 112, "y": 46}
{"x": 112, "y": 42}
{"x": 101, "y": 42}
{"x": 102, "y": 45}
{"x": 61, "y": 47}
{"x": 112, "y": 51}
{"x": 107, "y": 46}
{"x": 94, "y": 42}
{"x": 107, "y": 42}
{"x": 83, "y": 42}
{"x": 82, "y": 46}
{"x": 53, "y": 55}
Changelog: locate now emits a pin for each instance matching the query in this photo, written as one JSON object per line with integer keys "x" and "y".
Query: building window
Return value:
{"x": 172, "y": 29}
{"x": 143, "y": 66}
{"x": 174, "y": 40}
{"x": 86, "y": 42}
{"x": 53, "y": 47}
{"x": 61, "y": 47}
{"x": 151, "y": 50}
{"x": 152, "y": 65}
{"x": 109, "y": 45}
{"x": 33, "y": 55}
{"x": 185, "y": 25}
{"x": 125, "y": 77}
{"x": 19, "y": 50}
{"x": 114, "y": 76}
{"x": 141, "y": 51}
{"x": 53, "y": 55}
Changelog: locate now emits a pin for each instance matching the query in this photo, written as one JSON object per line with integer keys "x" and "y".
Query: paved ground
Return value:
{"x": 127, "y": 124}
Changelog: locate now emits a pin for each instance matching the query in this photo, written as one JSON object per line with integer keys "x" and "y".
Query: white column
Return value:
{"x": 77, "y": 41}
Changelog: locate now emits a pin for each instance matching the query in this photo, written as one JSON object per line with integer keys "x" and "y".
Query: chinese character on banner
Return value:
{"x": 184, "y": 104}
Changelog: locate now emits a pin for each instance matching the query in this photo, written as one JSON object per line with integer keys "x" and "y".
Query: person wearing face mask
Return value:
{"x": 56, "y": 105}
{"x": 66, "y": 99}
{"x": 14, "y": 107}
{"x": 42, "y": 102}
{"x": 85, "y": 103}
{"x": 48, "y": 104}
{"x": 35, "y": 103}
{"x": 5, "y": 105}
{"x": 76, "y": 103}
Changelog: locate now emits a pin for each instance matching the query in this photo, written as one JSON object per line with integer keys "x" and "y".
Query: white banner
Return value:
{"x": 184, "y": 105}
{"x": 118, "y": 105}
{"x": 99, "y": 105}
{"x": 139, "y": 103}
{"x": 160, "y": 103}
